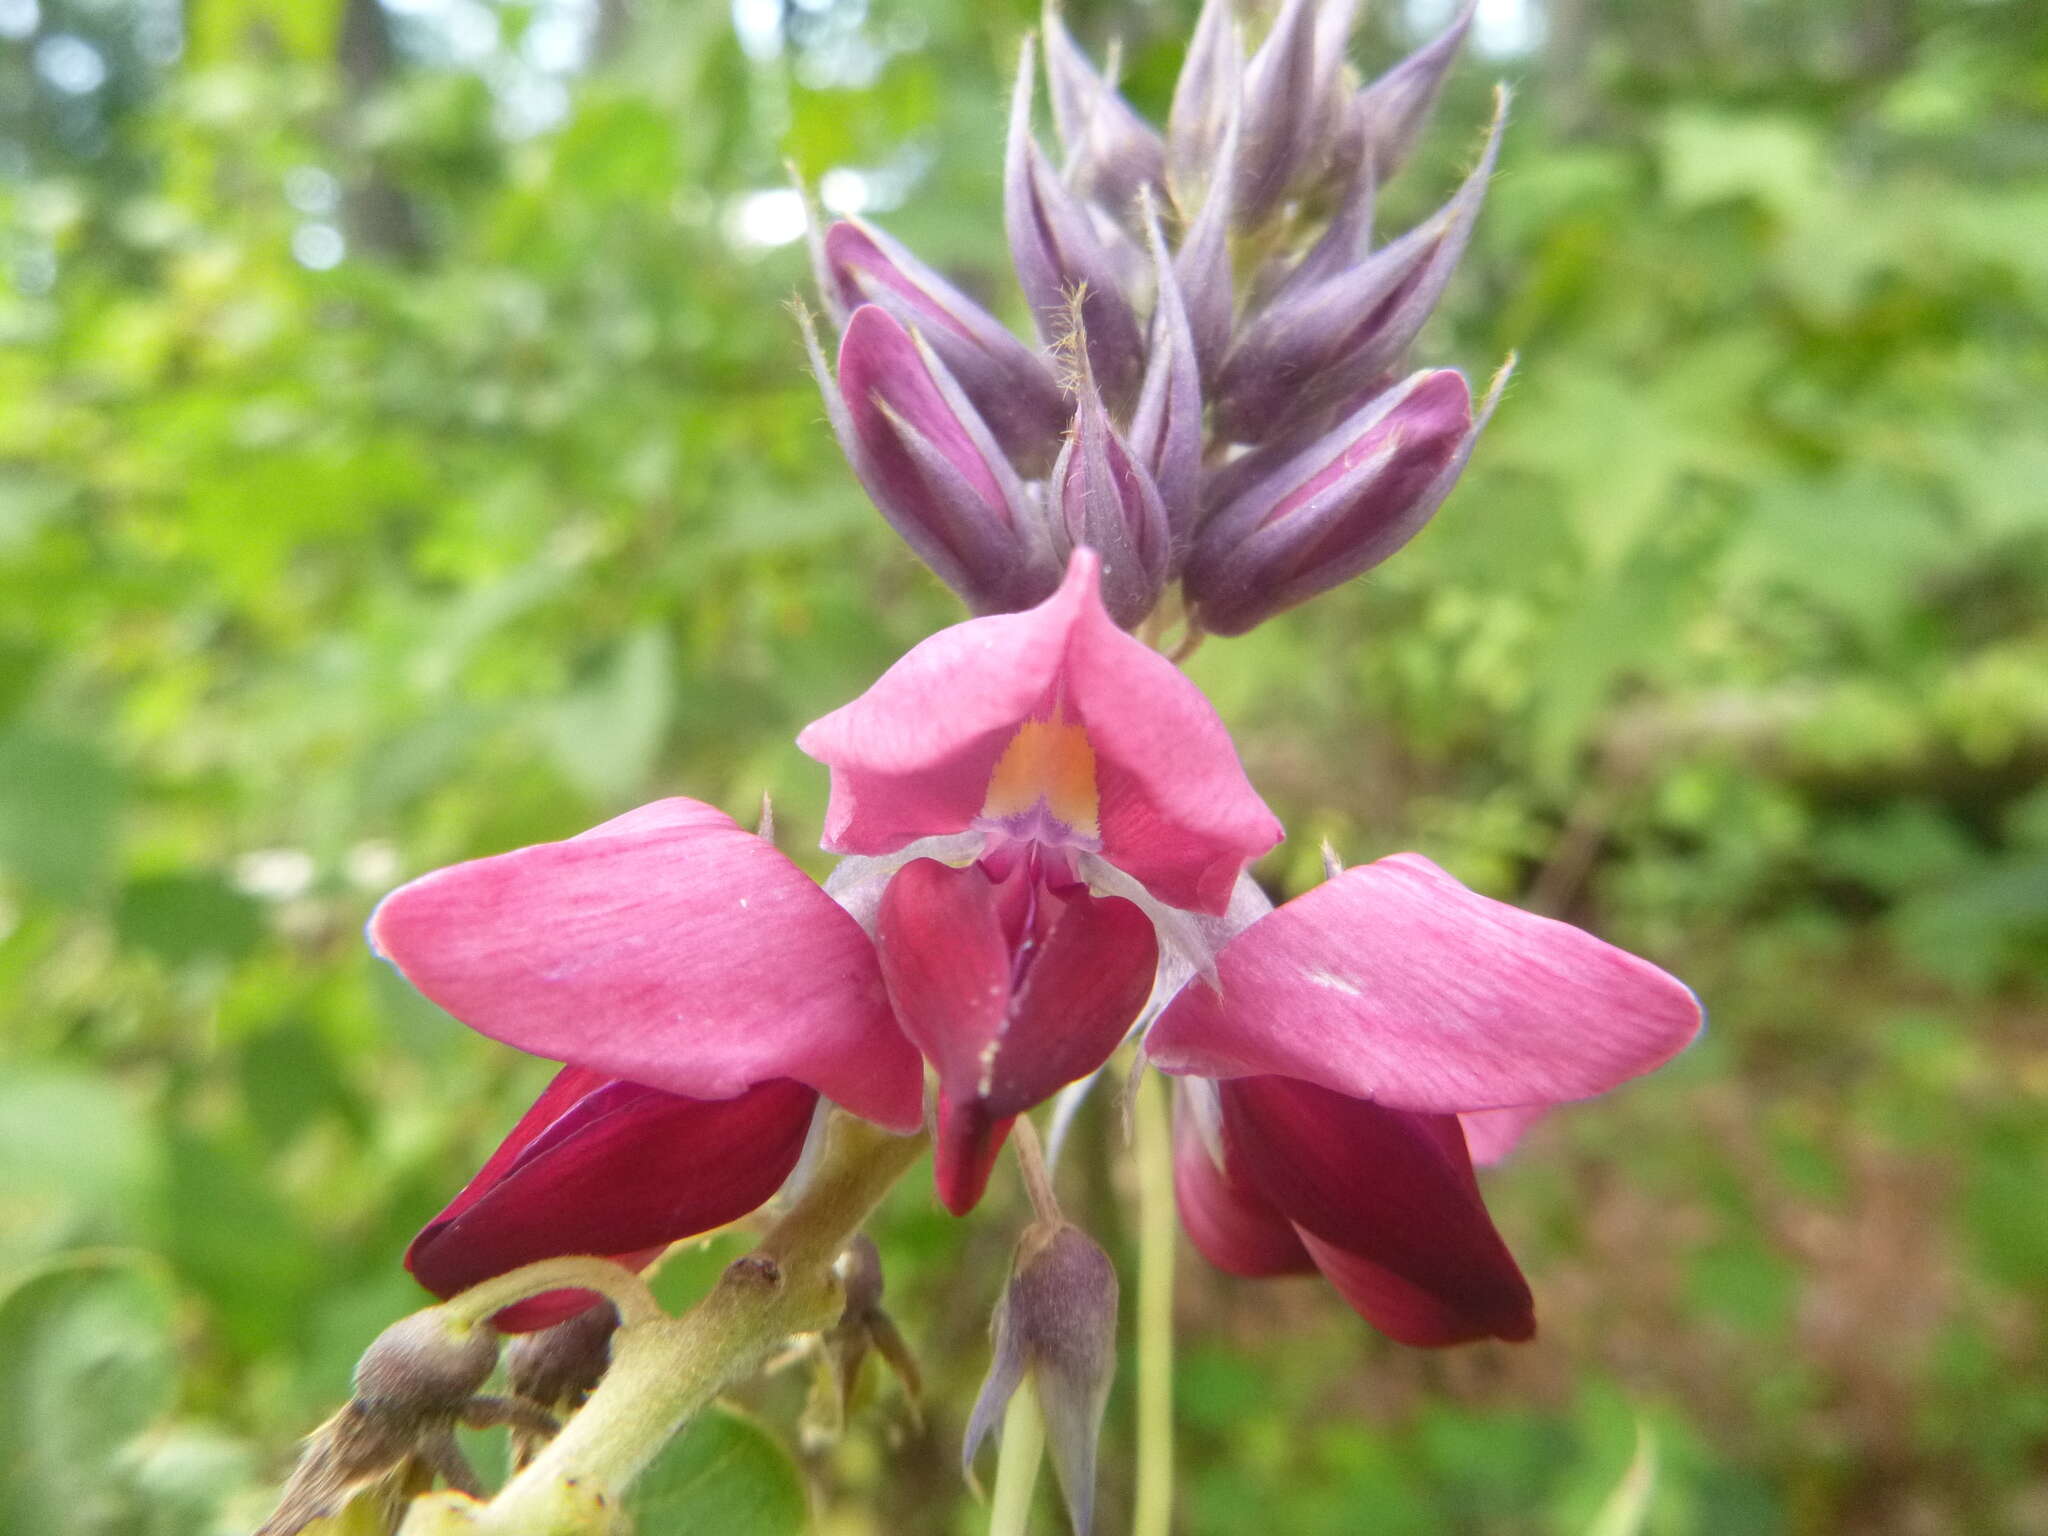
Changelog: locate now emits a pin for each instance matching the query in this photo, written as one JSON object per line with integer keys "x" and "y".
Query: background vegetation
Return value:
{"x": 404, "y": 455}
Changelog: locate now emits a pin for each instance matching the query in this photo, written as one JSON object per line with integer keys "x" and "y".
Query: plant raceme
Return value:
{"x": 1221, "y": 396}
{"x": 1044, "y": 828}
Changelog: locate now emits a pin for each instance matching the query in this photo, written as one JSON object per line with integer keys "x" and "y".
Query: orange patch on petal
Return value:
{"x": 1047, "y": 761}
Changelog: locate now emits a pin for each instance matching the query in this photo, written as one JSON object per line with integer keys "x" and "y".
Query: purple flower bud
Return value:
{"x": 560, "y": 1366}
{"x": 1388, "y": 115}
{"x": 1056, "y": 1323}
{"x": 1009, "y": 383}
{"x": 1059, "y": 251}
{"x": 1344, "y": 240}
{"x": 932, "y": 466}
{"x": 1166, "y": 428}
{"x": 1338, "y": 507}
{"x": 1203, "y": 262}
{"x": 1314, "y": 344}
{"x": 1104, "y": 496}
{"x": 1205, "y": 98}
{"x": 1286, "y": 106}
{"x": 1112, "y": 153}
{"x": 424, "y": 1364}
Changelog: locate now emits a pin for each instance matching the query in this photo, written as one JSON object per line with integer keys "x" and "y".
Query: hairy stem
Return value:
{"x": 666, "y": 1369}
{"x": 1152, "y": 1513}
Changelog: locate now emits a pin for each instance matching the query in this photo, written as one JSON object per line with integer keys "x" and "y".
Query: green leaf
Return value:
{"x": 725, "y": 1473}
{"x": 75, "y": 1164}
{"x": 58, "y": 801}
{"x": 607, "y": 735}
{"x": 85, "y": 1366}
{"x": 185, "y": 917}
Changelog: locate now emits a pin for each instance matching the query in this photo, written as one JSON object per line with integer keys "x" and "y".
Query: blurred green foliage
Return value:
{"x": 404, "y": 454}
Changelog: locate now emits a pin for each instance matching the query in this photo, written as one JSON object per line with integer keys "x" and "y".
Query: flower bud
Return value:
{"x": 1337, "y": 507}
{"x": 398, "y": 1430}
{"x": 1205, "y": 99}
{"x": 1283, "y": 109}
{"x": 1387, "y": 117}
{"x": 1105, "y": 497}
{"x": 1202, "y": 266}
{"x": 1056, "y": 1323}
{"x": 425, "y": 1364}
{"x": 1112, "y": 153}
{"x": 1317, "y": 342}
{"x": 932, "y": 466}
{"x": 1059, "y": 252}
{"x": 843, "y": 1349}
{"x": 1010, "y": 384}
{"x": 1166, "y": 427}
{"x": 560, "y": 1366}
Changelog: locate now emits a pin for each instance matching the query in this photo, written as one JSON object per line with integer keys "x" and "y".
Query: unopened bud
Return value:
{"x": 932, "y": 467}
{"x": 1056, "y": 1323}
{"x": 1284, "y": 87}
{"x": 1010, "y": 384}
{"x": 863, "y": 1328}
{"x": 1317, "y": 342}
{"x": 1112, "y": 153}
{"x": 1105, "y": 497}
{"x": 1336, "y": 508}
{"x": 1387, "y": 117}
{"x": 1059, "y": 251}
{"x": 560, "y": 1366}
{"x": 426, "y": 1364}
{"x": 1204, "y": 100}
{"x": 1166, "y": 427}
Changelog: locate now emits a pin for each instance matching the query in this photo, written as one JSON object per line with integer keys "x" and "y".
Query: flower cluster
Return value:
{"x": 1044, "y": 829}
{"x": 1254, "y": 440}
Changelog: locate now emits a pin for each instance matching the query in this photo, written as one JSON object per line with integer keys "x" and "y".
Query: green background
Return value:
{"x": 1733, "y": 645}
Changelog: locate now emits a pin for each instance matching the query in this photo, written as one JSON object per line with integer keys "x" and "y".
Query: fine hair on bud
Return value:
{"x": 426, "y": 1363}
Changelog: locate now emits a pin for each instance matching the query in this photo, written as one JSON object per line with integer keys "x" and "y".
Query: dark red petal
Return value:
{"x": 1084, "y": 984}
{"x": 1229, "y": 1224}
{"x": 965, "y": 1145}
{"x": 1387, "y": 1187}
{"x": 946, "y": 963}
{"x": 624, "y": 1170}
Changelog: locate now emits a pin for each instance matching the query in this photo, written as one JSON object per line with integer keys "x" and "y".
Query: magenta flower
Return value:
{"x": 1360, "y": 1048}
{"x": 1033, "y": 801}
{"x": 706, "y": 993}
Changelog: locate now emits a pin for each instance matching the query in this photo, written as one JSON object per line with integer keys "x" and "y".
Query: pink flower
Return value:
{"x": 1361, "y": 1047}
{"x": 705, "y": 990}
{"x": 1032, "y": 800}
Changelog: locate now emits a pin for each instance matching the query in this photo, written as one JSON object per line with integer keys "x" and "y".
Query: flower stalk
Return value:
{"x": 1152, "y": 1131}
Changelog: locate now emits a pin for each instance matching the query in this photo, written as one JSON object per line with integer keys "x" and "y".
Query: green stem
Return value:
{"x": 617, "y": 1284}
{"x": 1152, "y": 1513}
{"x": 666, "y": 1369}
{"x": 1023, "y": 1447}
